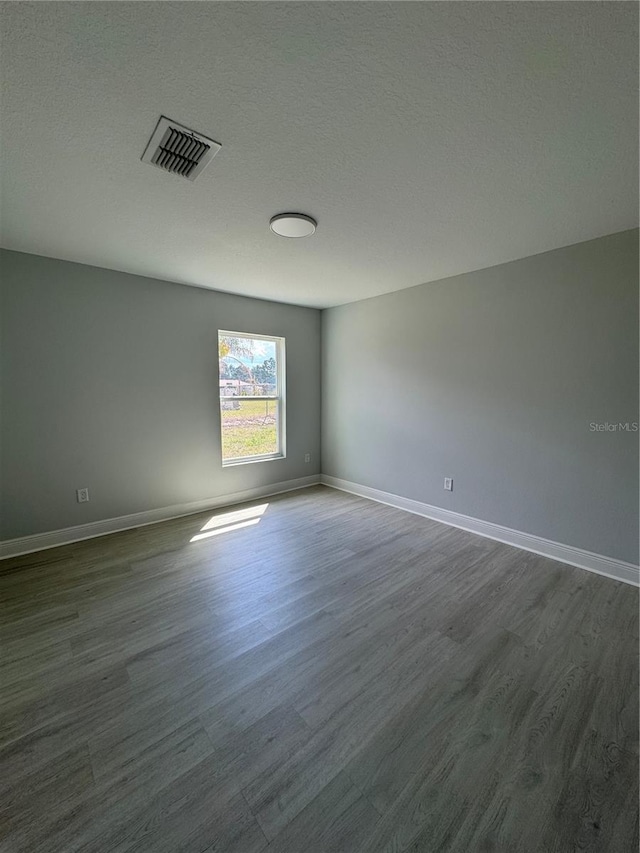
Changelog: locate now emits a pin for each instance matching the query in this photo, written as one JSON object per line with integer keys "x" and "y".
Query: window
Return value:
{"x": 252, "y": 416}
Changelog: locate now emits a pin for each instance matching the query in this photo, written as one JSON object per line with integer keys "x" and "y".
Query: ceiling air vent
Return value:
{"x": 178, "y": 150}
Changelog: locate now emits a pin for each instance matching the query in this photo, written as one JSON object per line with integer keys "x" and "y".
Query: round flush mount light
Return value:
{"x": 293, "y": 225}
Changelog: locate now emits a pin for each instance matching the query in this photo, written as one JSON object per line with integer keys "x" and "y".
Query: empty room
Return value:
{"x": 319, "y": 427}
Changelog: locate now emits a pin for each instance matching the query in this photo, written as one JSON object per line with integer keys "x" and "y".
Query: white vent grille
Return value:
{"x": 178, "y": 150}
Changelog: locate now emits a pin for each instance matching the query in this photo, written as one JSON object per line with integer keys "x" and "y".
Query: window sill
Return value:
{"x": 249, "y": 460}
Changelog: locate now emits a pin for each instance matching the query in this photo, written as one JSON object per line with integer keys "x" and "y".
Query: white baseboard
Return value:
{"x": 598, "y": 563}
{"x": 40, "y": 541}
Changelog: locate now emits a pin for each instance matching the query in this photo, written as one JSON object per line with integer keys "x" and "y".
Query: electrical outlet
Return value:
{"x": 82, "y": 495}
{"x": 448, "y": 484}
{"x": 307, "y": 457}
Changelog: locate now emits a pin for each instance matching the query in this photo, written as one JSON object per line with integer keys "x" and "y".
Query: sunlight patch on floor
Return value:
{"x": 228, "y": 521}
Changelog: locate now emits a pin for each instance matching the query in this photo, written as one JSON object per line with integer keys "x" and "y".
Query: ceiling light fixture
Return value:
{"x": 293, "y": 225}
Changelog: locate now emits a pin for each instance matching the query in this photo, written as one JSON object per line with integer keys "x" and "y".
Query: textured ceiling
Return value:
{"x": 428, "y": 139}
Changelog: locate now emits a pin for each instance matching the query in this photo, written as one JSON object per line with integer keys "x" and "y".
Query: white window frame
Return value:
{"x": 280, "y": 398}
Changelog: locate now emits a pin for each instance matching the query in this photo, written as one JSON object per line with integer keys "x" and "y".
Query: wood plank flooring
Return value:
{"x": 336, "y": 677}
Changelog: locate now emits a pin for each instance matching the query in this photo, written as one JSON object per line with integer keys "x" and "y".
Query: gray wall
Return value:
{"x": 493, "y": 378}
{"x": 110, "y": 381}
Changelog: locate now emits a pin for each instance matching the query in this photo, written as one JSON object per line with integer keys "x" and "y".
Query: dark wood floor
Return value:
{"x": 337, "y": 677}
